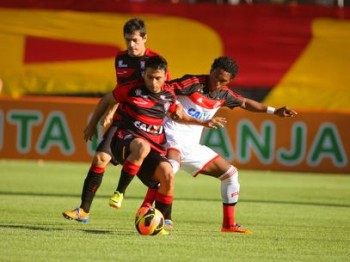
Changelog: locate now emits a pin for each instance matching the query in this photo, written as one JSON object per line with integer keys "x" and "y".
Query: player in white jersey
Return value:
{"x": 201, "y": 97}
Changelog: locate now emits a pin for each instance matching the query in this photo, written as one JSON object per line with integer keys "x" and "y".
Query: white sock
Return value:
{"x": 229, "y": 186}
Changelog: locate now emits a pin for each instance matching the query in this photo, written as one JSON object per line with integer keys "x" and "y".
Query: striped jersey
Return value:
{"x": 144, "y": 112}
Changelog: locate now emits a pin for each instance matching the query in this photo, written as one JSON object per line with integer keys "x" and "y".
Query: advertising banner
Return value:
{"x": 51, "y": 128}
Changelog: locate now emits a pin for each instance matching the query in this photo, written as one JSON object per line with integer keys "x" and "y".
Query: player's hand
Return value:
{"x": 285, "y": 112}
{"x": 179, "y": 112}
{"x": 216, "y": 122}
{"x": 89, "y": 133}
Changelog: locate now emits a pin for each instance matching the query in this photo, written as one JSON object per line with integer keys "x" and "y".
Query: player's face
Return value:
{"x": 135, "y": 43}
{"x": 219, "y": 78}
{"x": 154, "y": 79}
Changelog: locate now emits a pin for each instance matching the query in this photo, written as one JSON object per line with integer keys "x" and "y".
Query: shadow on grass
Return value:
{"x": 30, "y": 227}
{"x": 49, "y": 228}
{"x": 182, "y": 199}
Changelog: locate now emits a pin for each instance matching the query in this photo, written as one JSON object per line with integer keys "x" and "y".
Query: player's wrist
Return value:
{"x": 270, "y": 110}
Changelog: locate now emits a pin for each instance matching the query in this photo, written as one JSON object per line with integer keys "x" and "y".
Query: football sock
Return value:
{"x": 230, "y": 186}
{"x": 229, "y": 194}
{"x": 228, "y": 215}
{"x": 127, "y": 174}
{"x": 150, "y": 197}
{"x": 163, "y": 204}
{"x": 92, "y": 182}
{"x": 168, "y": 212}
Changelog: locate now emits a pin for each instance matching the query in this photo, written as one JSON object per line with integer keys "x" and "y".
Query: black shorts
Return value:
{"x": 120, "y": 149}
{"x": 105, "y": 145}
{"x": 148, "y": 168}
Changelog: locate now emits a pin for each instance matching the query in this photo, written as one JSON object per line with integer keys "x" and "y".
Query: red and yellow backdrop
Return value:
{"x": 297, "y": 55}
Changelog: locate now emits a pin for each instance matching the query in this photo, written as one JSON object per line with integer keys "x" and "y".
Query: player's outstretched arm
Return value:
{"x": 104, "y": 103}
{"x": 107, "y": 118}
{"x": 180, "y": 116}
{"x": 254, "y": 106}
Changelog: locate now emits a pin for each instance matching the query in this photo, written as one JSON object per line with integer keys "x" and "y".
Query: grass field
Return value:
{"x": 294, "y": 217}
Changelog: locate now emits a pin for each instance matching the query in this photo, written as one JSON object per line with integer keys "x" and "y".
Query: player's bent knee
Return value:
{"x": 101, "y": 159}
{"x": 164, "y": 174}
{"x": 140, "y": 147}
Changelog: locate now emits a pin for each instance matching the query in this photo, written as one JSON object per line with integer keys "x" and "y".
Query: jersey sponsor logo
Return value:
{"x": 125, "y": 72}
{"x": 152, "y": 129}
{"x": 122, "y": 72}
{"x": 198, "y": 114}
{"x": 121, "y": 64}
{"x": 140, "y": 102}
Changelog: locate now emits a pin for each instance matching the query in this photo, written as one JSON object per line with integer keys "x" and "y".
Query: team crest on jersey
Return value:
{"x": 142, "y": 65}
{"x": 121, "y": 64}
{"x": 163, "y": 97}
{"x": 138, "y": 92}
{"x": 166, "y": 106}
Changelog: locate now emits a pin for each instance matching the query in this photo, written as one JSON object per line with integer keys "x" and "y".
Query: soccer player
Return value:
{"x": 201, "y": 96}
{"x": 129, "y": 65}
{"x": 139, "y": 142}
{"x": 140, "y": 133}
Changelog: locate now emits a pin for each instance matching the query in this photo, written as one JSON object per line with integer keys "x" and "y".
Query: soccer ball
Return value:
{"x": 149, "y": 221}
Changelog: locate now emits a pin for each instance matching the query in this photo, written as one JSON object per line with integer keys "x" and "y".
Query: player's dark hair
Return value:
{"x": 157, "y": 63}
{"x": 226, "y": 63}
{"x": 133, "y": 25}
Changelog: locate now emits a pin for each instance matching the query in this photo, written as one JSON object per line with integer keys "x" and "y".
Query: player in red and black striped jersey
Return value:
{"x": 140, "y": 142}
{"x": 145, "y": 106}
{"x": 129, "y": 65}
{"x": 145, "y": 110}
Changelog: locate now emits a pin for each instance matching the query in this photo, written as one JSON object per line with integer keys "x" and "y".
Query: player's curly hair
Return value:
{"x": 226, "y": 63}
{"x": 135, "y": 24}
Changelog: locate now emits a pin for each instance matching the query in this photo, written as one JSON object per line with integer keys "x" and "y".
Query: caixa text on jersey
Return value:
{"x": 152, "y": 129}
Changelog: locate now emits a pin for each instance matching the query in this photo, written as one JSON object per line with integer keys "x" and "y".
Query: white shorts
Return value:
{"x": 194, "y": 157}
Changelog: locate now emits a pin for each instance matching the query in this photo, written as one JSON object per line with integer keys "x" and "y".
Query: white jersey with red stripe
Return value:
{"x": 185, "y": 133}
{"x": 192, "y": 92}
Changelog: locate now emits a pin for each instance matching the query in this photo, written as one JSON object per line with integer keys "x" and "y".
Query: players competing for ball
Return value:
{"x": 139, "y": 143}
{"x": 202, "y": 96}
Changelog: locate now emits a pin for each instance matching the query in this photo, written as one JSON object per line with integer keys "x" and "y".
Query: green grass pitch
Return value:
{"x": 294, "y": 217}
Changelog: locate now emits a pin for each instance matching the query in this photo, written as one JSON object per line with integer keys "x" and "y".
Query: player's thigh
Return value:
{"x": 195, "y": 160}
{"x": 217, "y": 167}
{"x": 120, "y": 145}
{"x": 105, "y": 144}
{"x": 149, "y": 170}
{"x": 103, "y": 152}
{"x": 139, "y": 149}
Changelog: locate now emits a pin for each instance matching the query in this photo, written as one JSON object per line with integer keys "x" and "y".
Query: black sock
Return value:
{"x": 165, "y": 209}
{"x": 168, "y": 212}
{"x": 124, "y": 181}
{"x": 91, "y": 184}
